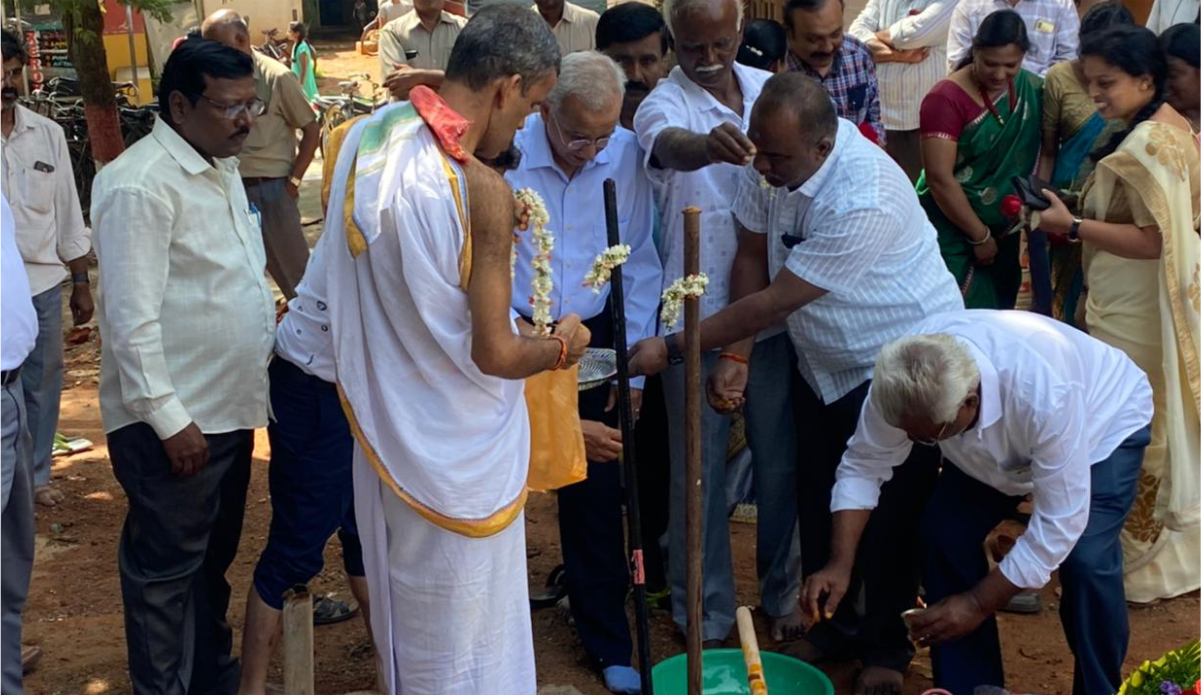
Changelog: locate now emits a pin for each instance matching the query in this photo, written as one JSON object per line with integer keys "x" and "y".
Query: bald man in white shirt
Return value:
{"x": 1018, "y": 404}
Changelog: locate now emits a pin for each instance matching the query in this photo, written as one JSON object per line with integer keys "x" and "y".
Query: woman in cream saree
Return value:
{"x": 1148, "y": 304}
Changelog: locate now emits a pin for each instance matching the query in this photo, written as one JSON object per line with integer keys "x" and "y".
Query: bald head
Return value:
{"x": 794, "y": 128}
{"x": 799, "y": 98}
{"x": 227, "y": 27}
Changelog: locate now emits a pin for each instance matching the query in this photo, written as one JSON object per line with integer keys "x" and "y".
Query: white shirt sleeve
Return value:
{"x": 867, "y": 23}
{"x": 74, "y": 237}
{"x": 1067, "y": 34}
{"x": 750, "y": 201}
{"x": 842, "y": 246}
{"x": 872, "y": 453}
{"x": 927, "y": 28}
{"x": 1062, "y": 478}
{"x": 1153, "y": 19}
{"x": 664, "y": 108}
{"x": 959, "y": 35}
{"x": 136, "y": 263}
{"x": 391, "y": 53}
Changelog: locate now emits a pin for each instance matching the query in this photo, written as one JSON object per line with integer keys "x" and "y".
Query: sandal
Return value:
{"x": 331, "y": 611}
{"x": 556, "y": 589}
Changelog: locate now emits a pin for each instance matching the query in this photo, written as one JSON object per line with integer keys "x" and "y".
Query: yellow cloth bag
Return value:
{"x": 557, "y": 455}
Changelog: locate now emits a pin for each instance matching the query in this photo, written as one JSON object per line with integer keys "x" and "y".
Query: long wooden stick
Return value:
{"x": 628, "y": 456}
{"x": 298, "y": 641}
{"x": 750, "y": 651}
{"x": 692, "y": 450}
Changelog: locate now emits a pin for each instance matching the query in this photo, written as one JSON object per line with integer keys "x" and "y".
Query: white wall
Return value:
{"x": 261, "y": 14}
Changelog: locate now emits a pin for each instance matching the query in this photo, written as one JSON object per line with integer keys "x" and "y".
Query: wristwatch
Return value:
{"x": 295, "y": 181}
{"x": 1074, "y": 230}
{"x": 675, "y": 356}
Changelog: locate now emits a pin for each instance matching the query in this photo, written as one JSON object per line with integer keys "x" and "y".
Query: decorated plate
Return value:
{"x": 597, "y": 366}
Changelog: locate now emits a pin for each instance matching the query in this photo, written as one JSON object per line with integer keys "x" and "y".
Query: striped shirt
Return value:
{"x": 1052, "y": 25}
{"x": 857, "y": 231}
{"x": 850, "y": 82}
{"x": 911, "y": 24}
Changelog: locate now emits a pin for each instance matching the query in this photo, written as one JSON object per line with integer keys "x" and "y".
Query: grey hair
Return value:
{"x": 590, "y": 76}
{"x": 502, "y": 40}
{"x": 673, "y": 9}
{"x": 923, "y": 376}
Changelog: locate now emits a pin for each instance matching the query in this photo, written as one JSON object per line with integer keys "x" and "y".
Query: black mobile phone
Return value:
{"x": 410, "y": 54}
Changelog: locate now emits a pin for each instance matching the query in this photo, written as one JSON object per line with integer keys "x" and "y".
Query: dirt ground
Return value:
{"x": 74, "y": 611}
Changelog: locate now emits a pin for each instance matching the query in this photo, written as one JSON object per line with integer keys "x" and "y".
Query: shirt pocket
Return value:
{"x": 37, "y": 190}
{"x": 856, "y": 97}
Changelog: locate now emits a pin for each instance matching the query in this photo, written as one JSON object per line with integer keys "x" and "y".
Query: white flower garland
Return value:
{"x": 603, "y": 265}
{"x": 544, "y": 243}
{"x": 674, "y": 295}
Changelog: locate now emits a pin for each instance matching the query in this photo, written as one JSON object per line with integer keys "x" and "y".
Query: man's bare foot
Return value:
{"x": 788, "y": 628}
{"x": 48, "y": 496}
{"x": 803, "y": 650}
{"x": 30, "y": 657}
{"x": 879, "y": 680}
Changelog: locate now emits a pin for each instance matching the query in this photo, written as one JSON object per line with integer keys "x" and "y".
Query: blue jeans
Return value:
{"x": 42, "y": 380}
{"x": 771, "y": 434}
{"x": 960, "y": 515}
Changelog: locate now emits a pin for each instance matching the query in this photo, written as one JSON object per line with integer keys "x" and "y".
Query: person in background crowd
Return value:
{"x": 574, "y": 27}
{"x": 17, "y": 525}
{"x": 568, "y": 150}
{"x": 304, "y": 60}
{"x": 53, "y": 239}
{"x": 1072, "y": 128}
{"x": 311, "y": 486}
{"x": 427, "y": 29}
{"x": 388, "y": 11}
{"x": 360, "y": 12}
{"x": 1168, "y": 13}
{"x": 981, "y": 127}
{"x": 692, "y": 129}
{"x": 839, "y": 62}
{"x": 272, "y": 165}
{"x": 835, "y": 238}
{"x": 634, "y": 35}
{"x": 764, "y": 45}
{"x": 1052, "y": 28}
{"x": 1180, "y": 44}
{"x": 1141, "y": 252}
{"x": 908, "y": 41}
{"x": 187, "y": 323}
{"x": 1017, "y": 404}
{"x": 440, "y": 465}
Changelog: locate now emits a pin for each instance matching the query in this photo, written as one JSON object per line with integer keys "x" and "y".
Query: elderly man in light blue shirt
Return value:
{"x": 568, "y": 150}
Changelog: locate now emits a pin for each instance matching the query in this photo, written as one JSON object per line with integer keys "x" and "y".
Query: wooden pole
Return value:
{"x": 692, "y": 449}
{"x": 628, "y": 456}
{"x": 298, "y": 641}
{"x": 750, "y": 651}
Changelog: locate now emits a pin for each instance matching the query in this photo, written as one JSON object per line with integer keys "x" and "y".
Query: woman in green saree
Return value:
{"x": 979, "y": 128}
{"x": 1072, "y": 129}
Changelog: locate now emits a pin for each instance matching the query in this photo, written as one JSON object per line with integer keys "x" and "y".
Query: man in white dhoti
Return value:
{"x": 429, "y": 362}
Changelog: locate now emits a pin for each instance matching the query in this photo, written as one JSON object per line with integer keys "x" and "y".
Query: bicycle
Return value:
{"x": 273, "y": 47}
{"x": 334, "y": 111}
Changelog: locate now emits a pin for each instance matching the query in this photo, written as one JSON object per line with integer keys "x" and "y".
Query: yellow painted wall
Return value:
{"x": 262, "y": 14}
{"x": 117, "y": 47}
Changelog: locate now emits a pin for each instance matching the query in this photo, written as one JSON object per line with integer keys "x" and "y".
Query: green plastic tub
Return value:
{"x": 725, "y": 673}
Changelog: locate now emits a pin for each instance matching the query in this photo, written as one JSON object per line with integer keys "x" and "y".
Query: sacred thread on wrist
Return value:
{"x": 735, "y": 357}
{"x": 562, "y": 352}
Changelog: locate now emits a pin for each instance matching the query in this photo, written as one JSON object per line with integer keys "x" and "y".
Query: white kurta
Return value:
{"x": 439, "y": 446}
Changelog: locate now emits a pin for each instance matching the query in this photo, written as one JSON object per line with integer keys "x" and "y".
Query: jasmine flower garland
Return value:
{"x": 544, "y": 243}
{"x": 603, "y": 265}
{"x": 674, "y": 295}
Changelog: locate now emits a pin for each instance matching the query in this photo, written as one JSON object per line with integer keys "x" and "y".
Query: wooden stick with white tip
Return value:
{"x": 750, "y": 651}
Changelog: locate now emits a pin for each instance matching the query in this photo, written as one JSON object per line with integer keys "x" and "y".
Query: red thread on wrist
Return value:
{"x": 562, "y": 352}
{"x": 735, "y": 357}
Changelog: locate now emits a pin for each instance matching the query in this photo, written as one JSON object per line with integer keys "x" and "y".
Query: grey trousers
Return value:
{"x": 283, "y": 236}
{"x": 180, "y": 536}
{"x": 42, "y": 380}
{"x": 16, "y": 532}
{"x": 771, "y": 435}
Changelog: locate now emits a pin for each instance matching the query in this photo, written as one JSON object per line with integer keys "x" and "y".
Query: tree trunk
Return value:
{"x": 86, "y": 45}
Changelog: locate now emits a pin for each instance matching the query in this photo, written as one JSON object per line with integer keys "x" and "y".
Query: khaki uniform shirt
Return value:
{"x": 407, "y": 33}
{"x": 270, "y": 149}
{"x": 576, "y": 31}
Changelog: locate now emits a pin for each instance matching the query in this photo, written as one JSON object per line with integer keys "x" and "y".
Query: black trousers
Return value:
{"x": 654, "y": 481}
{"x": 180, "y": 536}
{"x": 593, "y": 536}
{"x": 888, "y": 560}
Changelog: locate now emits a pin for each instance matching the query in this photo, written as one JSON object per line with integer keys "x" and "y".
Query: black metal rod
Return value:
{"x": 633, "y": 512}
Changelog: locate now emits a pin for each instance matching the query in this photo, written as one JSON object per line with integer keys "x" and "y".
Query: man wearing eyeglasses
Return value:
{"x": 272, "y": 165}
{"x": 1018, "y": 404}
{"x": 188, "y": 323}
{"x": 568, "y": 150}
{"x": 832, "y": 242}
